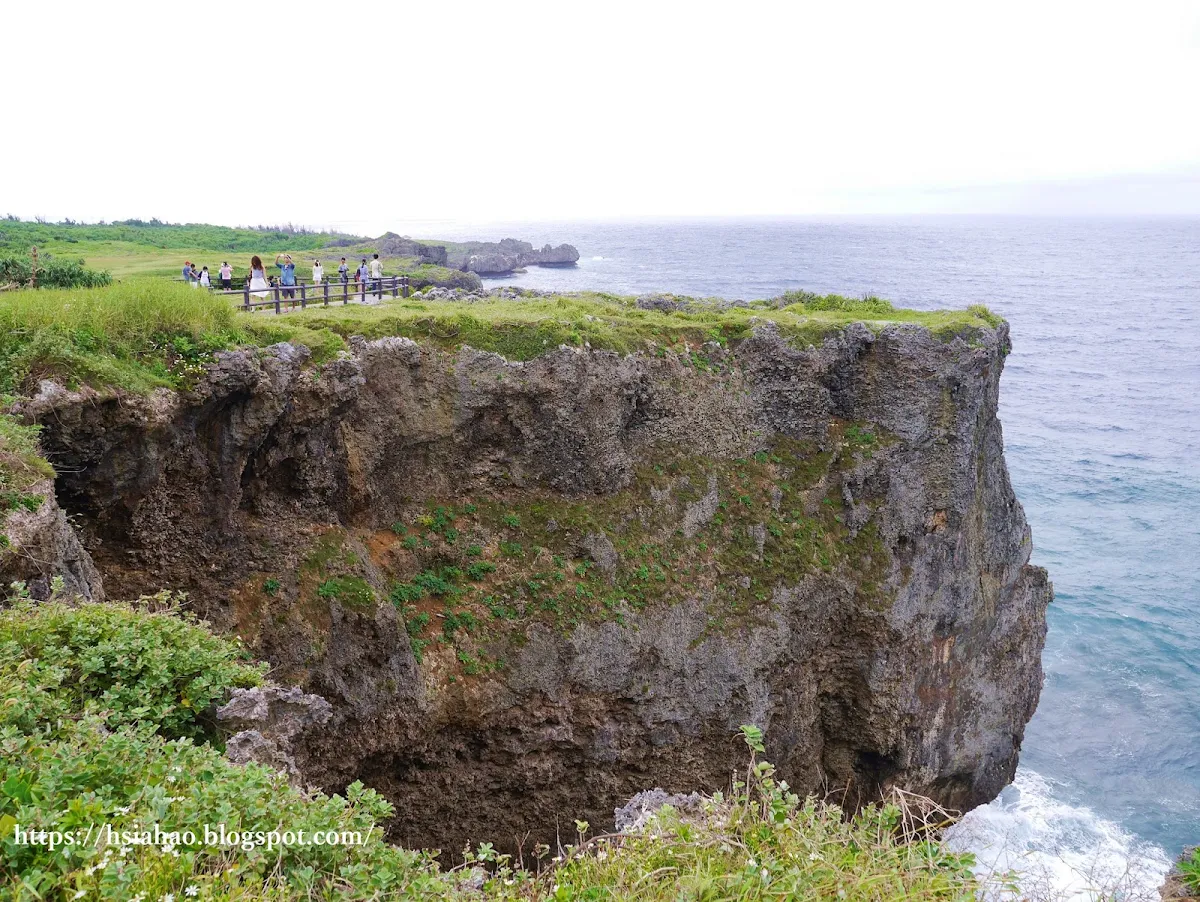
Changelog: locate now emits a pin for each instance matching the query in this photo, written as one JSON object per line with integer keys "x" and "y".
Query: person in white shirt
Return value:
{"x": 318, "y": 273}
{"x": 226, "y": 272}
{"x": 376, "y": 273}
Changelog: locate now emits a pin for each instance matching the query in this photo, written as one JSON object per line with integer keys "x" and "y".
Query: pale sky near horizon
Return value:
{"x": 366, "y": 116}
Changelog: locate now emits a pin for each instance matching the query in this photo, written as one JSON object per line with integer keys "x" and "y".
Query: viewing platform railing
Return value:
{"x": 305, "y": 293}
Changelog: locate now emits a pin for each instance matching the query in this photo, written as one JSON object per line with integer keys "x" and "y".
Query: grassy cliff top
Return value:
{"x": 145, "y": 334}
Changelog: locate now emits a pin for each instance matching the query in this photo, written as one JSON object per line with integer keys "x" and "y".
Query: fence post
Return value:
{"x": 363, "y": 287}
{"x": 247, "y": 288}
{"x": 345, "y": 293}
{"x": 303, "y": 297}
{"x": 326, "y": 286}
{"x": 277, "y": 310}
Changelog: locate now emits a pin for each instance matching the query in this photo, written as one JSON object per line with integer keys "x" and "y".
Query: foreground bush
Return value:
{"x": 106, "y": 788}
{"x": 764, "y": 842}
{"x": 129, "y": 666}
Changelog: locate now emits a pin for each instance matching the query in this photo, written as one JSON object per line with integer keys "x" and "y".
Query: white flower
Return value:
{"x": 192, "y": 890}
{"x": 169, "y": 897}
{"x": 766, "y": 874}
{"x": 751, "y": 863}
{"x": 80, "y": 894}
{"x": 170, "y": 778}
{"x": 124, "y": 809}
{"x": 813, "y": 856}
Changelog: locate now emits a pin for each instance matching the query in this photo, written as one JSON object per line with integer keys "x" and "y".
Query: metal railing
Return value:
{"x": 305, "y": 293}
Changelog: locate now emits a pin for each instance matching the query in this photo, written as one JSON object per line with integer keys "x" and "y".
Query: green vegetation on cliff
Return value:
{"x": 144, "y": 334}
{"x": 1189, "y": 870}
{"x": 105, "y": 736}
{"x": 473, "y": 573}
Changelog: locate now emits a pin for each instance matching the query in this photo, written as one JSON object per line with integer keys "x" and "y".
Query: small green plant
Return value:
{"x": 479, "y": 569}
{"x": 859, "y": 437}
{"x": 452, "y": 621}
{"x": 271, "y": 586}
{"x": 409, "y": 543}
{"x": 511, "y": 520}
{"x": 1189, "y": 868}
{"x": 512, "y": 549}
{"x": 473, "y": 551}
{"x": 11, "y": 501}
{"x": 352, "y": 591}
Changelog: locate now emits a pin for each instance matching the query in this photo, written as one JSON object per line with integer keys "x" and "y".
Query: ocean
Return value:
{"x": 1100, "y": 403}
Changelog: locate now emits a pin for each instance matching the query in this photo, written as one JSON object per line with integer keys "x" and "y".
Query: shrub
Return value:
{"x": 125, "y": 664}
{"x": 131, "y": 780}
{"x": 764, "y": 842}
{"x": 51, "y": 273}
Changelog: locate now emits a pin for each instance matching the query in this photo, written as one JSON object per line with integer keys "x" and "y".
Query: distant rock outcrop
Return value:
{"x": 487, "y": 257}
{"x": 392, "y": 245}
{"x": 497, "y": 257}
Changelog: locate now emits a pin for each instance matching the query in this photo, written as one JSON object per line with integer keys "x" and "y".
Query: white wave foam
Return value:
{"x": 597, "y": 258}
{"x": 1057, "y": 850}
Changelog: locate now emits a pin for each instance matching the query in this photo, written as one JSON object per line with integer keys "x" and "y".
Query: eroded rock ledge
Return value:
{"x": 820, "y": 541}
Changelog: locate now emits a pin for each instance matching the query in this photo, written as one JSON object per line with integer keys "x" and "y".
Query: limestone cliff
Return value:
{"x": 530, "y": 590}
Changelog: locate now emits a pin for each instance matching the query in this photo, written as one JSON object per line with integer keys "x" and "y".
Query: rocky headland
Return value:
{"x": 480, "y": 257}
{"x": 531, "y": 589}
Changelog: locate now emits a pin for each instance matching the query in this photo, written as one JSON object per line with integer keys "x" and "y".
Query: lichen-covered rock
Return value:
{"x": 632, "y": 816}
{"x": 822, "y": 541}
{"x": 266, "y": 721}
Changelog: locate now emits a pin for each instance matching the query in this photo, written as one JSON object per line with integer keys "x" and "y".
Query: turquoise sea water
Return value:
{"x": 1101, "y": 413}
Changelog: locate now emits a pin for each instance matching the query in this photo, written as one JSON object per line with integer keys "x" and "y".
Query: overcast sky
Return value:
{"x": 367, "y": 115}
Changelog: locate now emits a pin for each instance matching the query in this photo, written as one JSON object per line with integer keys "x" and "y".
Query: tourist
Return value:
{"x": 361, "y": 278}
{"x": 204, "y": 281}
{"x": 258, "y": 278}
{"x": 187, "y": 271}
{"x": 287, "y": 275}
{"x": 226, "y": 273}
{"x": 194, "y": 277}
{"x": 344, "y": 271}
{"x": 376, "y": 274}
{"x": 318, "y": 273}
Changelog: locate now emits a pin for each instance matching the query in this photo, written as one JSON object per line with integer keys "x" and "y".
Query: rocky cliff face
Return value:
{"x": 40, "y": 544}
{"x": 531, "y": 590}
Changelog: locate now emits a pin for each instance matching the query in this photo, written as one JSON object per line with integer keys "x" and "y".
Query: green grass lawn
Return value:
{"x": 159, "y": 251}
